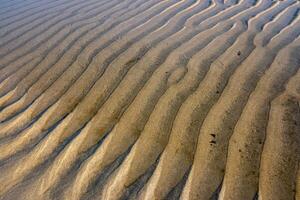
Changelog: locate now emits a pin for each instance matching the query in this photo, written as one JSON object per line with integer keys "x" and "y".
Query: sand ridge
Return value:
{"x": 156, "y": 99}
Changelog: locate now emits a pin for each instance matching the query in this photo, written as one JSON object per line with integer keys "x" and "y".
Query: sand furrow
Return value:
{"x": 59, "y": 51}
{"x": 280, "y": 156}
{"x": 16, "y": 63}
{"x": 64, "y": 24}
{"x": 64, "y": 45}
{"x": 149, "y": 99}
{"x": 58, "y": 139}
{"x": 69, "y": 77}
{"x": 24, "y": 24}
{"x": 8, "y": 6}
{"x": 15, "y": 12}
{"x": 80, "y": 111}
{"x": 20, "y": 31}
{"x": 12, "y": 42}
{"x": 216, "y": 129}
{"x": 102, "y": 120}
{"x": 250, "y": 130}
{"x": 85, "y": 113}
{"x": 138, "y": 107}
{"x": 170, "y": 102}
{"x": 70, "y": 54}
{"x": 198, "y": 102}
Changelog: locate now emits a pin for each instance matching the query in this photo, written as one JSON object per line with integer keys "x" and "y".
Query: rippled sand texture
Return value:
{"x": 149, "y": 99}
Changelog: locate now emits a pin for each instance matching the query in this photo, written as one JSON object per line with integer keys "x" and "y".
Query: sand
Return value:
{"x": 150, "y": 99}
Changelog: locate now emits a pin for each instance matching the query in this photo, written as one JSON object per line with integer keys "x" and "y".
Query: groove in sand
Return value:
{"x": 101, "y": 98}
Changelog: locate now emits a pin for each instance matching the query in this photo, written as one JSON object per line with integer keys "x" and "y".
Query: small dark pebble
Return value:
{"x": 239, "y": 53}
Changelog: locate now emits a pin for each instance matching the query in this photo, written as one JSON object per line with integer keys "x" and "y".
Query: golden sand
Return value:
{"x": 150, "y": 99}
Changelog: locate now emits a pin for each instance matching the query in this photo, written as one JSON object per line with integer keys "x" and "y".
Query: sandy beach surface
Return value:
{"x": 150, "y": 99}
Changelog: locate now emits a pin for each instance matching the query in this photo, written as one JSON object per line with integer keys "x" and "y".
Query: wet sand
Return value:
{"x": 150, "y": 99}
